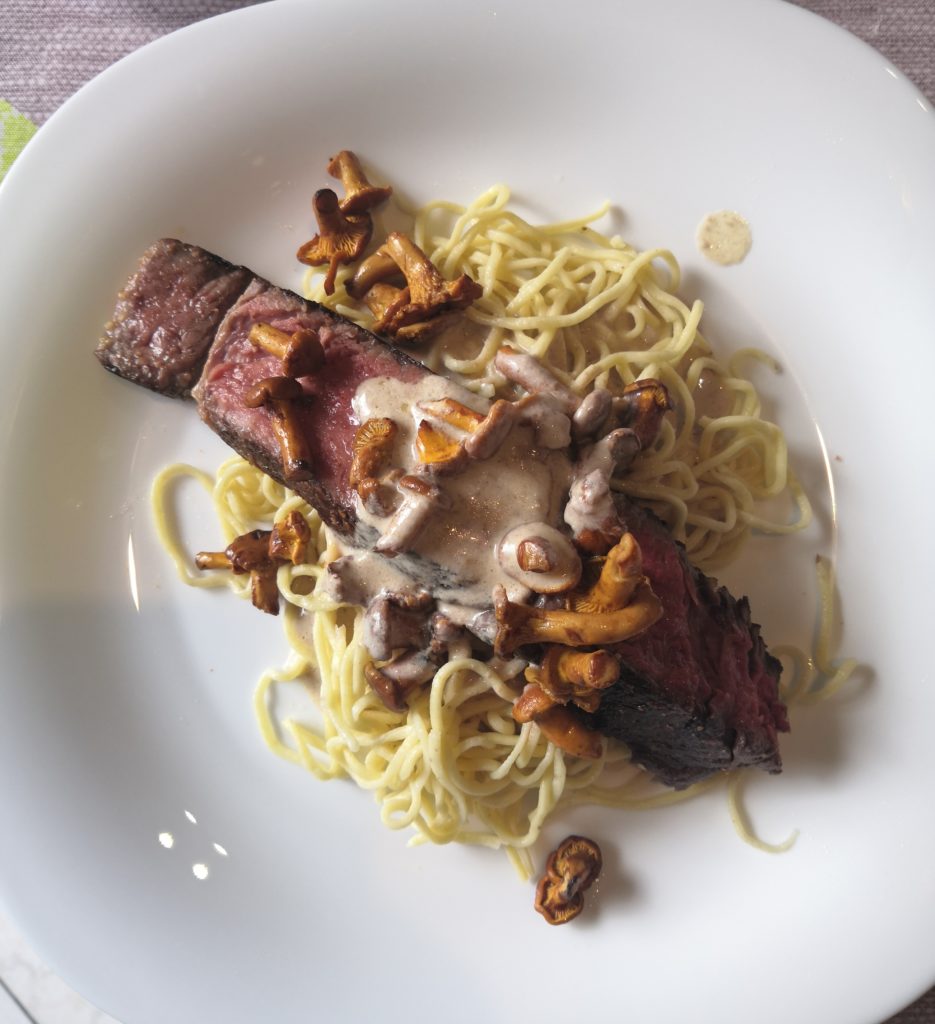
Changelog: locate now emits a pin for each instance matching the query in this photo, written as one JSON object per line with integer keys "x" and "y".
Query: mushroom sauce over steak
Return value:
{"x": 697, "y": 692}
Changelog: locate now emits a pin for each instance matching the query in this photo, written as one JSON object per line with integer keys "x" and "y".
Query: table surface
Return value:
{"x": 50, "y": 50}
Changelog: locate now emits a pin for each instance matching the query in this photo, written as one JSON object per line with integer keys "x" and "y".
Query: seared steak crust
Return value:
{"x": 698, "y": 691}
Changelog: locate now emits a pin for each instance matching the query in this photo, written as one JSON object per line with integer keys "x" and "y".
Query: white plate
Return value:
{"x": 122, "y": 722}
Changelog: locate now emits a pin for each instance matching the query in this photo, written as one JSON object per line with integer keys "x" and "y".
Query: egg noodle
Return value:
{"x": 455, "y": 766}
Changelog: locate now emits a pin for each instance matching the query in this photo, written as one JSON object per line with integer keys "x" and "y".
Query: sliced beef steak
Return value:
{"x": 352, "y": 355}
{"x": 698, "y": 690}
{"x": 167, "y": 316}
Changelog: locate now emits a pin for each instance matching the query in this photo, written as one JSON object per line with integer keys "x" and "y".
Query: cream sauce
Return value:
{"x": 724, "y": 237}
{"x": 521, "y": 483}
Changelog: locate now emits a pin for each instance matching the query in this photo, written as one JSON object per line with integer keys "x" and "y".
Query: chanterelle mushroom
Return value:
{"x": 259, "y": 552}
{"x": 570, "y": 870}
{"x": 373, "y": 444}
{"x": 559, "y": 724}
{"x": 301, "y": 352}
{"x": 430, "y": 295}
{"x": 281, "y": 396}
{"x": 577, "y": 677}
{"x": 341, "y": 238}
{"x": 634, "y": 608}
{"x": 359, "y": 195}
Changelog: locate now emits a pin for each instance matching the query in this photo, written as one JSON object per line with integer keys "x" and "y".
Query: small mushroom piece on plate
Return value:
{"x": 341, "y": 238}
{"x": 641, "y": 408}
{"x": 359, "y": 195}
{"x": 571, "y": 869}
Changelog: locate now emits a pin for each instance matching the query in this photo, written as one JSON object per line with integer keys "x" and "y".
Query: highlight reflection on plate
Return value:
{"x": 126, "y": 698}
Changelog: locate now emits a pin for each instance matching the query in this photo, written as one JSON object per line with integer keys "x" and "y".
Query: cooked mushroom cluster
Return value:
{"x": 407, "y": 296}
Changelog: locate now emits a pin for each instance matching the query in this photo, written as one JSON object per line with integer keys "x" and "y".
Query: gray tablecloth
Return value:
{"x": 49, "y": 48}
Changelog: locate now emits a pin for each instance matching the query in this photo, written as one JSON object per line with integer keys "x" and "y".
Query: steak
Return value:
{"x": 698, "y": 691}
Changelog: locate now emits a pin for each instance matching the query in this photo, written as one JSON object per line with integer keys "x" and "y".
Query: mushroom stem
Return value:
{"x": 375, "y": 269}
{"x": 360, "y": 195}
{"x": 621, "y": 574}
{"x": 420, "y": 499}
{"x": 279, "y": 396}
{"x": 492, "y": 431}
{"x": 530, "y": 374}
{"x": 592, "y": 414}
{"x": 301, "y": 352}
{"x": 520, "y": 624}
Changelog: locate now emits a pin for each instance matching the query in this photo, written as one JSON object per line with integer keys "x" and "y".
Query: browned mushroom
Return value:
{"x": 341, "y": 238}
{"x": 289, "y": 539}
{"x": 492, "y": 431}
{"x": 301, "y": 352}
{"x": 520, "y": 624}
{"x": 532, "y": 376}
{"x": 592, "y": 515}
{"x": 430, "y": 295}
{"x": 641, "y": 408}
{"x": 258, "y": 553}
{"x": 592, "y": 413}
{"x": 621, "y": 573}
{"x": 438, "y": 452}
{"x": 421, "y": 498}
{"x": 559, "y": 724}
{"x": 281, "y": 397}
{"x": 571, "y": 869}
{"x": 359, "y": 195}
{"x": 578, "y": 677}
{"x": 373, "y": 445}
{"x": 377, "y": 268}
{"x": 396, "y": 620}
{"x": 385, "y": 301}
{"x": 454, "y": 413}
{"x": 397, "y": 680}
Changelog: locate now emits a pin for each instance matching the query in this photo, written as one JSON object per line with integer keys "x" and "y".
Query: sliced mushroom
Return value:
{"x": 525, "y": 370}
{"x": 545, "y": 413}
{"x": 540, "y": 557}
{"x": 560, "y": 725}
{"x": 592, "y": 515}
{"x": 385, "y": 301}
{"x": 341, "y": 238}
{"x": 281, "y": 397}
{"x": 612, "y": 454}
{"x": 571, "y": 869}
{"x": 372, "y": 447}
{"x": 420, "y": 500}
{"x": 592, "y": 413}
{"x": 487, "y": 437}
{"x": 578, "y": 677}
{"x": 520, "y": 624}
{"x": 301, "y": 352}
{"x": 359, "y": 195}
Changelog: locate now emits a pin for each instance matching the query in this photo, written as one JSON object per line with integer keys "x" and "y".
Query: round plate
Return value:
{"x": 126, "y": 697}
